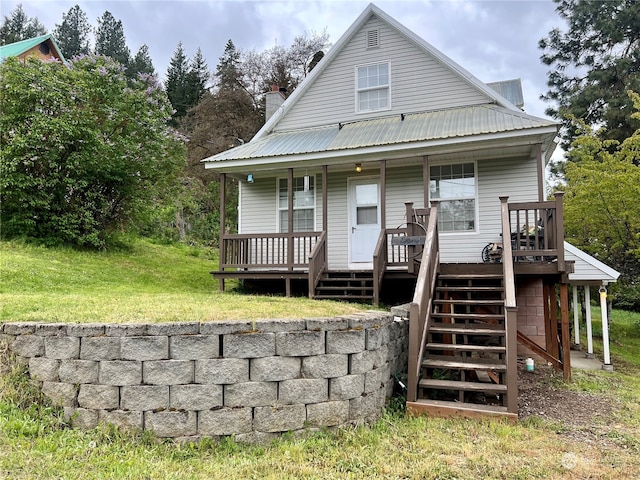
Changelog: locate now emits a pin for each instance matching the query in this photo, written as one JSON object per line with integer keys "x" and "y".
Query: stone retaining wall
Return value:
{"x": 253, "y": 380}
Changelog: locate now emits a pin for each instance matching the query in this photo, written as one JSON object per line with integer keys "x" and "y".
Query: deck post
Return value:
{"x": 511, "y": 325}
{"x": 559, "y": 229}
{"x": 222, "y": 253}
{"x": 576, "y": 322}
{"x": 566, "y": 338}
{"x": 290, "y": 229}
{"x": 410, "y": 232}
{"x": 415, "y": 335}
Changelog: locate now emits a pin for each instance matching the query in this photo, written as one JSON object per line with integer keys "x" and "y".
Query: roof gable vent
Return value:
{"x": 373, "y": 38}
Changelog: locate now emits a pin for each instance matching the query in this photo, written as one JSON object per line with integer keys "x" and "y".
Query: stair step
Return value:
{"x": 470, "y": 276}
{"x": 467, "y": 386}
{"x": 458, "y": 301}
{"x": 466, "y": 348}
{"x": 344, "y": 287}
{"x": 459, "y": 329}
{"x": 343, "y": 297}
{"x": 468, "y": 316}
{"x": 476, "y": 364}
{"x": 442, "y": 408}
{"x": 479, "y": 288}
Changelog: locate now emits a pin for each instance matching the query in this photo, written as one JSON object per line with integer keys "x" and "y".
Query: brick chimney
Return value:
{"x": 274, "y": 99}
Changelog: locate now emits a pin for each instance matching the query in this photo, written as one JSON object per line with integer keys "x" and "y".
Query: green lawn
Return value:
{"x": 137, "y": 282}
{"x": 148, "y": 282}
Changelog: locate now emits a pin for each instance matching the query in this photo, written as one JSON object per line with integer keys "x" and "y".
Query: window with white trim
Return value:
{"x": 304, "y": 202}
{"x": 455, "y": 187}
{"x": 372, "y": 87}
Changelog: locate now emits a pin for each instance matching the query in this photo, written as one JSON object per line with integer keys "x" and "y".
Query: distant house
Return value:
{"x": 393, "y": 172}
{"x": 43, "y": 47}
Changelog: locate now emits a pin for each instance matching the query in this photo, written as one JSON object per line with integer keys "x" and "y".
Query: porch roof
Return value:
{"x": 588, "y": 269}
{"x": 393, "y": 130}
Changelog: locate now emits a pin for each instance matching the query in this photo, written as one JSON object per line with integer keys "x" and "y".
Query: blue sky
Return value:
{"x": 493, "y": 39}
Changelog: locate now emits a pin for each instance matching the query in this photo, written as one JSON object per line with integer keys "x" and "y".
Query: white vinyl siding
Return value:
{"x": 420, "y": 82}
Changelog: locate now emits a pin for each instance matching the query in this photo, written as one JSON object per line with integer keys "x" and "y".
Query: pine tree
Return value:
{"x": 176, "y": 82}
{"x": 18, "y": 26}
{"x": 72, "y": 34}
{"x": 110, "y": 39}
{"x": 141, "y": 62}
{"x": 197, "y": 79}
{"x": 593, "y": 64}
{"x": 228, "y": 74}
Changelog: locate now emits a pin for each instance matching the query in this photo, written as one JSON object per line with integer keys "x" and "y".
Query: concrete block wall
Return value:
{"x": 253, "y": 380}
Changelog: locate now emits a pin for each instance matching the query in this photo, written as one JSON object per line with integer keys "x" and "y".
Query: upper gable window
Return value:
{"x": 373, "y": 87}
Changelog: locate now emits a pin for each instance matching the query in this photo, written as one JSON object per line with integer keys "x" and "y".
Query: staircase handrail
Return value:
{"x": 317, "y": 263}
{"x": 510, "y": 311}
{"x": 380, "y": 255}
{"x": 420, "y": 307}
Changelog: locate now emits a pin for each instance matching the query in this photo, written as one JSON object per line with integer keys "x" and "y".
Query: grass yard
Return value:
{"x": 147, "y": 282}
{"x": 138, "y": 282}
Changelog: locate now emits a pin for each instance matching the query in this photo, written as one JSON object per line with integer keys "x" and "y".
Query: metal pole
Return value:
{"x": 605, "y": 329}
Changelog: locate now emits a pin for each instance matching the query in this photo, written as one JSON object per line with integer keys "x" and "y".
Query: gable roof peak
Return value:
{"x": 335, "y": 50}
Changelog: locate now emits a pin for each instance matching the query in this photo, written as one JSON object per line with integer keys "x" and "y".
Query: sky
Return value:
{"x": 493, "y": 39}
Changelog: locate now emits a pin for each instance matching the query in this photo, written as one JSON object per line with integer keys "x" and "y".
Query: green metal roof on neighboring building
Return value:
{"x": 18, "y": 48}
{"x": 393, "y": 130}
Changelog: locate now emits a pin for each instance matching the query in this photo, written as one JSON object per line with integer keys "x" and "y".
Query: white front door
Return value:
{"x": 364, "y": 220}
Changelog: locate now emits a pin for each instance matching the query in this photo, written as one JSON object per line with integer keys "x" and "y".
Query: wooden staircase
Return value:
{"x": 464, "y": 366}
{"x": 349, "y": 285}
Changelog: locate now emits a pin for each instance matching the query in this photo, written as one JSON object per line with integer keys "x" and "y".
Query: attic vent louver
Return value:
{"x": 373, "y": 38}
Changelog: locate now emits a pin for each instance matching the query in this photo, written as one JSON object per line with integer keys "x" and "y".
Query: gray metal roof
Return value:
{"x": 416, "y": 127}
{"x": 511, "y": 90}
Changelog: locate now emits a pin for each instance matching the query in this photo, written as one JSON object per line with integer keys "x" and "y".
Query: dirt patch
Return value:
{"x": 580, "y": 416}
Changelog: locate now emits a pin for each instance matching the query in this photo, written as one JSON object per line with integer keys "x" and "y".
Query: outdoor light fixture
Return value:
{"x": 358, "y": 167}
{"x": 250, "y": 178}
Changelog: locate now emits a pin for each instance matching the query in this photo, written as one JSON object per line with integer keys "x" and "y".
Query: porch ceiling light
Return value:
{"x": 358, "y": 167}
{"x": 250, "y": 178}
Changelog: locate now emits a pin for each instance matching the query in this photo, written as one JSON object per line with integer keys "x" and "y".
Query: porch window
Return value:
{"x": 372, "y": 87}
{"x": 304, "y": 201}
{"x": 455, "y": 187}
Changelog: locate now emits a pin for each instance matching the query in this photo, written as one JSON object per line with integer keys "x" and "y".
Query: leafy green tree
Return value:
{"x": 110, "y": 39}
{"x": 141, "y": 62}
{"x": 593, "y": 63}
{"x": 602, "y": 203}
{"x": 18, "y": 26}
{"x": 85, "y": 152}
{"x": 72, "y": 35}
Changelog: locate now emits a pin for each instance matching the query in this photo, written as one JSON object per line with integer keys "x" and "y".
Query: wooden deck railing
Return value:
{"x": 536, "y": 231}
{"x": 420, "y": 307}
{"x": 510, "y": 312}
{"x": 317, "y": 263}
{"x": 275, "y": 251}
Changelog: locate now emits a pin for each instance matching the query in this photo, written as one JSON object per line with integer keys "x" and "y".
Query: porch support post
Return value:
{"x": 540, "y": 168}
{"x": 290, "y": 229}
{"x": 576, "y": 321}
{"x": 383, "y": 194}
{"x": 566, "y": 337}
{"x": 559, "y": 230}
{"x": 587, "y": 302}
{"x": 222, "y": 250}
{"x": 425, "y": 180}
{"x": 325, "y": 197}
{"x": 605, "y": 328}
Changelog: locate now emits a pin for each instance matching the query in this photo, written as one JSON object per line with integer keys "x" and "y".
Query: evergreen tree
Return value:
{"x": 72, "y": 35}
{"x": 594, "y": 62}
{"x": 176, "y": 82}
{"x": 17, "y": 26}
{"x": 110, "y": 39}
{"x": 141, "y": 62}
{"x": 197, "y": 79}
{"x": 228, "y": 74}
